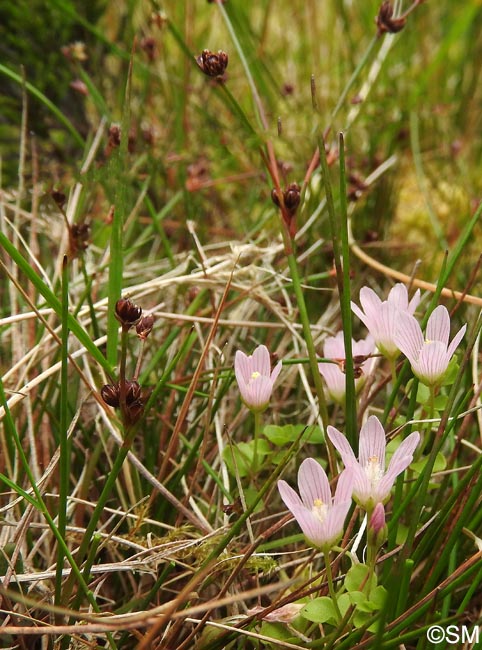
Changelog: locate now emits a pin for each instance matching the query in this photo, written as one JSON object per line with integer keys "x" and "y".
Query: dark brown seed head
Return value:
{"x": 386, "y": 22}
{"x": 114, "y": 135}
{"x": 79, "y": 234}
{"x": 292, "y": 197}
{"x": 133, "y": 392}
{"x": 127, "y": 313}
{"x": 110, "y": 393}
{"x": 275, "y": 197}
{"x": 148, "y": 44}
{"x": 212, "y": 64}
{"x": 144, "y": 326}
{"x": 59, "y": 198}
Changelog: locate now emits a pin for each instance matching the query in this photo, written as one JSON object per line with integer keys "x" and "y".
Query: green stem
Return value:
{"x": 257, "y": 431}
{"x": 331, "y": 588}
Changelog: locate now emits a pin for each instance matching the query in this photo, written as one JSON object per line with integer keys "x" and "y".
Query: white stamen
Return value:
{"x": 319, "y": 509}
{"x": 373, "y": 470}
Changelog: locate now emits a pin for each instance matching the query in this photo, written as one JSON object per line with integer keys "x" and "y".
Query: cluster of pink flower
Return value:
{"x": 392, "y": 329}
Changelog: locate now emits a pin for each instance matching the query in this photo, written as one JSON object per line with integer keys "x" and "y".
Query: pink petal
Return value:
{"x": 289, "y": 496}
{"x": 398, "y": 296}
{"x": 335, "y": 522}
{"x": 409, "y": 337}
{"x": 312, "y": 528}
{"x": 372, "y": 442}
{"x": 257, "y": 392}
{"x": 456, "y": 340}
{"x": 370, "y": 303}
{"x": 262, "y": 361}
{"x": 276, "y": 371}
{"x": 310, "y": 524}
{"x": 414, "y": 302}
{"x": 334, "y": 347}
{"x": 335, "y": 380}
{"x": 362, "y": 488}
{"x": 438, "y": 325}
{"x": 432, "y": 362}
{"x": 341, "y": 444}
{"x": 242, "y": 367}
{"x": 344, "y": 487}
{"x": 385, "y": 328}
{"x": 313, "y": 483}
{"x": 358, "y": 312}
{"x": 401, "y": 459}
{"x": 364, "y": 347}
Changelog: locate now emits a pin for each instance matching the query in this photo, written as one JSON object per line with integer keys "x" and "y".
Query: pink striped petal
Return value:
{"x": 398, "y": 296}
{"x": 313, "y": 483}
{"x": 399, "y": 462}
{"x": 432, "y": 363}
{"x": 334, "y": 347}
{"x": 438, "y": 325}
{"x": 344, "y": 487}
{"x": 242, "y": 367}
{"x": 409, "y": 337}
{"x": 257, "y": 392}
{"x": 414, "y": 302}
{"x": 370, "y": 303}
{"x": 290, "y": 497}
{"x": 372, "y": 442}
{"x": 276, "y": 371}
{"x": 358, "y": 312}
{"x": 261, "y": 361}
{"x": 335, "y": 380}
{"x": 456, "y": 340}
{"x": 341, "y": 444}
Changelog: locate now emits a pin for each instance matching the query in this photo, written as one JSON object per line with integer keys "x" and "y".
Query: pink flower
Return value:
{"x": 372, "y": 484}
{"x": 381, "y": 318}
{"x": 335, "y": 378}
{"x": 320, "y": 517}
{"x": 429, "y": 356}
{"x": 255, "y": 377}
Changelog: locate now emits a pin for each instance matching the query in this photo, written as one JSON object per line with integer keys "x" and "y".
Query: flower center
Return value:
{"x": 319, "y": 509}
{"x": 373, "y": 470}
{"x": 255, "y": 375}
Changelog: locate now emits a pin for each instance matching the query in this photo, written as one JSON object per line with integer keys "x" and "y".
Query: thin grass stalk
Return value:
{"x": 342, "y": 267}
{"x": 345, "y": 303}
{"x": 116, "y": 265}
{"x": 64, "y": 443}
{"x": 310, "y": 344}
